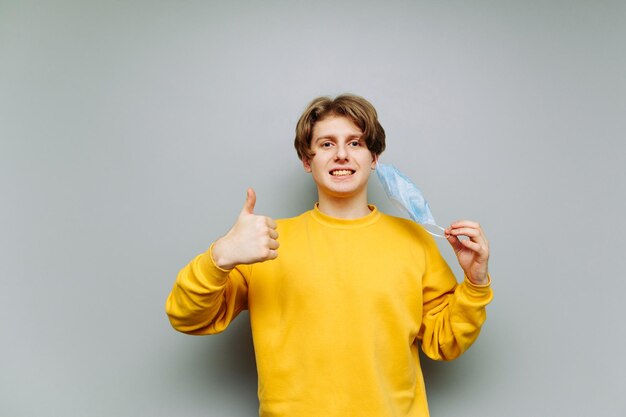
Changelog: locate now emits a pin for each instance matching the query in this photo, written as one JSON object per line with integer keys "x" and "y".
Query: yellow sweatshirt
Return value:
{"x": 337, "y": 317}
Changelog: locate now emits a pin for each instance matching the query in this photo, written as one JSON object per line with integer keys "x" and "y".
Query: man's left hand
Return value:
{"x": 472, "y": 253}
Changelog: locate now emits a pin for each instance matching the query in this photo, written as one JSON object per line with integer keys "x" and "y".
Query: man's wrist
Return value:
{"x": 217, "y": 255}
{"x": 482, "y": 282}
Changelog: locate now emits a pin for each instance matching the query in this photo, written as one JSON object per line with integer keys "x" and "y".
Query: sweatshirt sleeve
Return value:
{"x": 453, "y": 313}
{"x": 206, "y": 298}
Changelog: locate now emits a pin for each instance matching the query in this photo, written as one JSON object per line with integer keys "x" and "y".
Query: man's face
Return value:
{"x": 341, "y": 164}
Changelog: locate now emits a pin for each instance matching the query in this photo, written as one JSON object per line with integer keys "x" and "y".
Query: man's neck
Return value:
{"x": 344, "y": 208}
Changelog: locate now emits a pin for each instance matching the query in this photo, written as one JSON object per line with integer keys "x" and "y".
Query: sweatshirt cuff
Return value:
{"x": 207, "y": 264}
{"x": 478, "y": 291}
{"x": 212, "y": 259}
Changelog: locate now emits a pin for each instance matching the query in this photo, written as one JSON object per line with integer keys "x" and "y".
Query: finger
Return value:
{"x": 455, "y": 243}
{"x": 270, "y": 222}
{"x": 248, "y": 206}
{"x": 273, "y": 234}
{"x": 465, "y": 231}
{"x": 473, "y": 246}
{"x": 272, "y": 255}
{"x": 273, "y": 244}
{"x": 482, "y": 251}
{"x": 465, "y": 223}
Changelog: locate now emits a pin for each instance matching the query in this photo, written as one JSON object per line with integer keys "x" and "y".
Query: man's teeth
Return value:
{"x": 341, "y": 172}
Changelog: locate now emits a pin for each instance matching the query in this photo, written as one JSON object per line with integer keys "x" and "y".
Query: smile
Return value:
{"x": 341, "y": 172}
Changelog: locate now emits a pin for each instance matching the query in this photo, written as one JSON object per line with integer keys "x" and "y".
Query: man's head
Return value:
{"x": 357, "y": 109}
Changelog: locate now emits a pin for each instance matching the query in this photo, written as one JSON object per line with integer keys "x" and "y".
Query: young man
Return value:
{"x": 338, "y": 312}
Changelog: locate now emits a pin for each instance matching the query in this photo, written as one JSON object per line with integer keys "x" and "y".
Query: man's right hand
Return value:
{"x": 252, "y": 239}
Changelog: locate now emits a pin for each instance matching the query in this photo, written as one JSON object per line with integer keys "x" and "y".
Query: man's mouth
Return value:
{"x": 341, "y": 172}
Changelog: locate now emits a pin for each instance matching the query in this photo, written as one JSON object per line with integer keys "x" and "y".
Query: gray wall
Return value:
{"x": 129, "y": 132}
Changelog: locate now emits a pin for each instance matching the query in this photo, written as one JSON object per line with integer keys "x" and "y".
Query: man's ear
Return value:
{"x": 374, "y": 160}
{"x": 306, "y": 163}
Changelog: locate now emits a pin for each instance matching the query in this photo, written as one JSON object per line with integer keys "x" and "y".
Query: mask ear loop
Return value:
{"x": 437, "y": 234}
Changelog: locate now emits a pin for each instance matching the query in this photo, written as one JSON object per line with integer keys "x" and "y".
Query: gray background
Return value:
{"x": 130, "y": 131}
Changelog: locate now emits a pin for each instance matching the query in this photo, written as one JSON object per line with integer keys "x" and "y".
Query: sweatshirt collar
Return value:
{"x": 336, "y": 222}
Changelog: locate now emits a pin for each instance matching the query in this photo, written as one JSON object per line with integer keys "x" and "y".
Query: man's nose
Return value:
{"x": 342, "y": 152}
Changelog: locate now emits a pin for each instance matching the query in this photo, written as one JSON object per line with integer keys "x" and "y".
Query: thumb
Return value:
{"x": 455, "y": 243}
{"x": 248, "y": 206}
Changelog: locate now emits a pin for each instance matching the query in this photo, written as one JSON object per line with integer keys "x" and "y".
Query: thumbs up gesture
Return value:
{"x": 252, "y": 239}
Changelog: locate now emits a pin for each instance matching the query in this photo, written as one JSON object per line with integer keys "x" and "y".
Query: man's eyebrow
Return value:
{"x": 331, "y": 136}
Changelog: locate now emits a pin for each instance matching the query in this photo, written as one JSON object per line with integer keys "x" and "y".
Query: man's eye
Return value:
{"x": 355, "y": 143}
{"x": 326, "y": 145}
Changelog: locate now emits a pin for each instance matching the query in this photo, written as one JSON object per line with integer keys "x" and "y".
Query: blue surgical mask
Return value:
{"x": 405, "y": 194}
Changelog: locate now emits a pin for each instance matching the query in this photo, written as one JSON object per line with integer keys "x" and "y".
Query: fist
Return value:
{"x": 252, "y": 239}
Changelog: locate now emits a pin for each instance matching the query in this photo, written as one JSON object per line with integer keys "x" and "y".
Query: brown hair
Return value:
{"x": 355, "y": 108}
